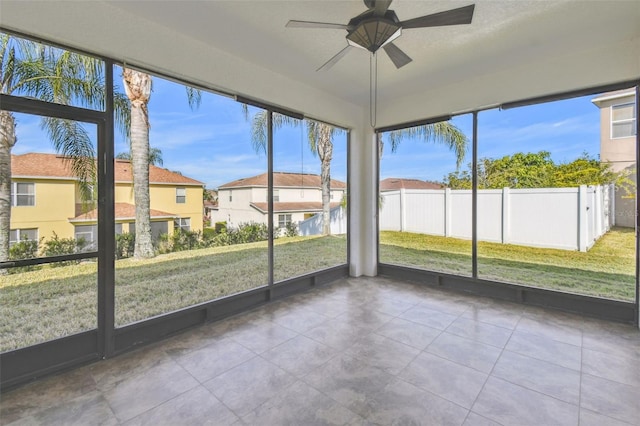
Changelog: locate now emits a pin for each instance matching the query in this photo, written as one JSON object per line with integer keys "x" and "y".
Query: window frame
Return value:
{"x": 183, "y": 223}
{"x": 287, "y": 219}
{"x": 181, "y": 199}
{"x": 631, "y": 120}
{"x": 276, "y": 195}
{"x": 19, "y": 235}
{"x": 15, "y": 194}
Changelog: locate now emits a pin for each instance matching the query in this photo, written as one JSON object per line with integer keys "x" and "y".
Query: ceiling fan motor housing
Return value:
{"x": 371, "y": 32}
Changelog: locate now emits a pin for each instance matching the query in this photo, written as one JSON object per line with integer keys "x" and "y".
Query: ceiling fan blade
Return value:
{"x": 397, "y": 56}
{"x": 331, "y": 62}
{"x": 311, "y": 24}
{"x": 381, "y": 7}
{"x": 461, "y": 15}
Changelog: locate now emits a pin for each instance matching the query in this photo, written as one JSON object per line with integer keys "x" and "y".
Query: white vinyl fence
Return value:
{"x": 313, "y": 225}
{"x": 562, "y": 218}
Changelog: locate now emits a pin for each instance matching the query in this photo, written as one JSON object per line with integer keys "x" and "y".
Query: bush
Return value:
{"x": 221, "y": 227}
{"x": 180, "y": 240}
{"x": 57, "y": 246}
{"x": 208, "y": 233}
{"x": 25, "y": 249}
{"x": 125, "y": 245}
{"x": 291, "y": 230}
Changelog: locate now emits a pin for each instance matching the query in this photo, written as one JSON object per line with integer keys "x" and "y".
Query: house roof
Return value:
{"x": 39, "y": 165}
{"x": 308, "y": 206}
{"x": 123, "y": 211}
{"x": 617, "y": 94}
{"x": 283, "y": 180}
{"x": 391, "y": 184}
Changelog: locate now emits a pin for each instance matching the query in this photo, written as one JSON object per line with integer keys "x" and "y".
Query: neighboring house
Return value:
{"x": 46, "y": 200}
{"x": 393, "y": 184}
{"x": 296, "y": 197}
{"x": 617, "y": 128}
{"x": 618, "y": 117}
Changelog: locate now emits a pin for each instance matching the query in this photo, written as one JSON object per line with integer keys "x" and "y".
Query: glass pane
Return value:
{"x": 53, "y": 75}
{"x": 624, "y": 129}
{"x": 310, "y": 212}
{"x": 50, "y": 301}
{"x": 203, "y": 246}
{"x": 425, "y": 200}
{"x": 622, "y": 112}
{"x": 554, "y": 189}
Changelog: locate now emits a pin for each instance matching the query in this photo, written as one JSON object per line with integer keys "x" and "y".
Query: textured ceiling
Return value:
{"x": 503, "y": 34}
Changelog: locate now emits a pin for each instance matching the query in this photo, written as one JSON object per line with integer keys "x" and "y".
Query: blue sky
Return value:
{"x": 213, "y": 142}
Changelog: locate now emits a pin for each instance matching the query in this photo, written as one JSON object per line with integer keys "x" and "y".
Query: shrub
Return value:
{"x": 221, "y": 227}
{"x": 57, "y": 246}
{"x": 208, "y": 233}
{"x": 291, "y": 230}
{"x": 180, "y": 240}
{"x": 25, "y": 249}
{"x": 125, "y": 245}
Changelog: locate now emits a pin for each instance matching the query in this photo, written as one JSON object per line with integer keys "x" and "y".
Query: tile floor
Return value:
{"x": 366, "y": 351}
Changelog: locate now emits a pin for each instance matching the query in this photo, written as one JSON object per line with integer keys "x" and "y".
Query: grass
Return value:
{"x": 41, "y": 305}
{"x": 607, "y": 270}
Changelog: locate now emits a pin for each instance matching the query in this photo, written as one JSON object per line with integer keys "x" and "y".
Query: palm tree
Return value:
{"x": 137, "y": 86}
{"x": 155, "y": 156}
{"x": 320, "y": 138}
{"x": 31, "y": 69}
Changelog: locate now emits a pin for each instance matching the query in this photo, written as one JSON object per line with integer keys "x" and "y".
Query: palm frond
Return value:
{"x": 194, "y": 97}
{"x": 444, "y": 133}
{"x": 72, "y": 141}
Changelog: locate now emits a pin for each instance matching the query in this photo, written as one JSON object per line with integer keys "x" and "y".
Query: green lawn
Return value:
{"x": 40, "y": 305}
{"x": 607, "y": 270}
{"x": 52, "y": 302}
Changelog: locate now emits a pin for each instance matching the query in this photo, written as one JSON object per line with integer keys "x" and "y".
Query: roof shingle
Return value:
{"x": 391, "y": 184}
{"x": 123, "y": 211}
{"x": 40, "y": 165}
{"x": 284, "y": 179}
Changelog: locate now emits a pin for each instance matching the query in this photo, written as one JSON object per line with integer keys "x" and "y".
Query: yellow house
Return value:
{"x": 45, "y": 199}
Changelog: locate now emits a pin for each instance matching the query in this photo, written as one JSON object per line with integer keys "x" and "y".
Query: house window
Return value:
{"x": 24, "y": 194}
{"x": 87, "y": 237}
{"x": 230, "y": 196}
{"x": 183, "y": 223}
{"x": 276, "y": 195}
{"x": 17, "y": 235}
{"x": 284, "y": 220}
{"x": 181, "y": 195}
{"x": 623, "y": 120}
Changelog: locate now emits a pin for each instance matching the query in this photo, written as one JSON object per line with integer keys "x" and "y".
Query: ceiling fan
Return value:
{"x": 378, "y": 27}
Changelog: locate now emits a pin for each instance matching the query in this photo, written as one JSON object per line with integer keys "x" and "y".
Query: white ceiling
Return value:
{"x": 512, "y": 49}
{"x": 502, "y": 34}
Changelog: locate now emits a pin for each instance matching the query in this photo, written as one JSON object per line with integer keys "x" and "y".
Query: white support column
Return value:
{"x": 582, "y": 218}
{"x": 363, "y": 201}
{"x": 506, "y": 218}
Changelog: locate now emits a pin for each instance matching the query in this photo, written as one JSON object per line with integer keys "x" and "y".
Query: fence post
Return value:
{"x": 506, "y": 212}
{"x": 403, "y": 210}
{"x": 582, "y": 218}
{"x": 447, "y": 212}
{"x": 612, "y": 205}
{"x": 598, "y": 211}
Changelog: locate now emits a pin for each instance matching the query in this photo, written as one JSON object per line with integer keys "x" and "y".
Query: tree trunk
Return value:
{"x": 325, "y": 152}
{"x": 7, "y": 141}
{"x": 138, "y": 88}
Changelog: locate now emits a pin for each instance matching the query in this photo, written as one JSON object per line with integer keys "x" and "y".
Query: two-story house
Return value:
{"x": 618, "y": 146}
{"x": 46, "y": 200}
{"x": 296, "y": 197}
